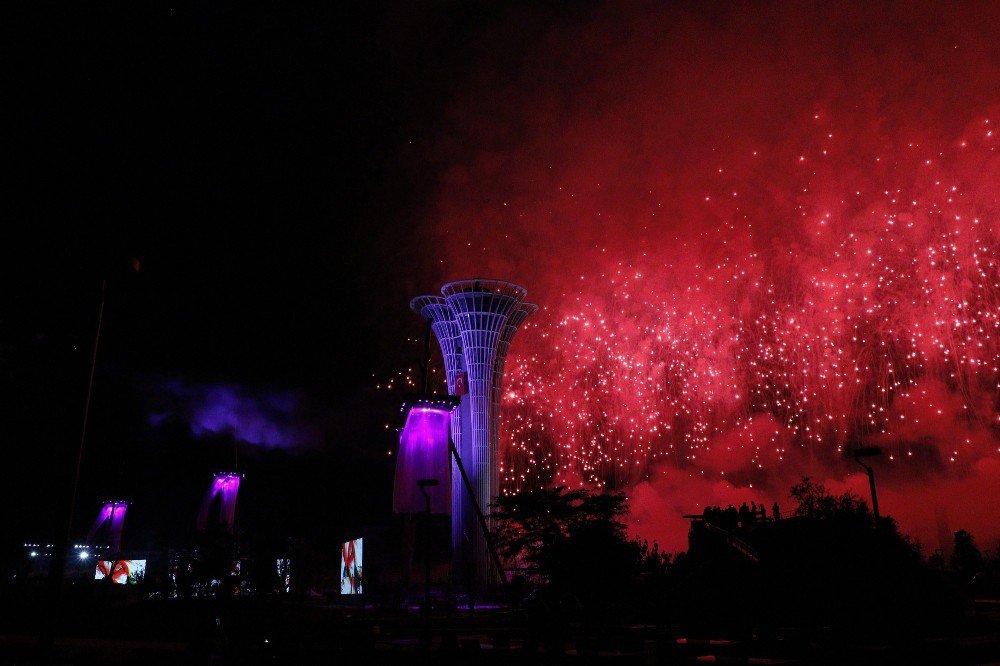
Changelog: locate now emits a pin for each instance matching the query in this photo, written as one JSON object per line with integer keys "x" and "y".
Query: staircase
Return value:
{"x": 737, "y": 544}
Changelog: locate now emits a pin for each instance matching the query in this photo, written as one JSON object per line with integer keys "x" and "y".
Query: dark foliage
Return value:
{"x": 829, "y": 566}
{"x": 574, "y": 543}
{"x": 966, "y": 560}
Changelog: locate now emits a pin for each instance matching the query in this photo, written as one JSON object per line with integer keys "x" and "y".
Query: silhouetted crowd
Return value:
{"x": 731, "y": 518}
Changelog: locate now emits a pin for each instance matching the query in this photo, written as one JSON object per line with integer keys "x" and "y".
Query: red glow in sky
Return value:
{"x": 761, "y": 236}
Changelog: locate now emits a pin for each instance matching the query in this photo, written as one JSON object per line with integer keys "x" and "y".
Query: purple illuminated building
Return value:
{"x": 225, "y": 487}
{"x": 423, "y": 454}
{"x": 112, "y": 517}
{"x": 474, "y": 323}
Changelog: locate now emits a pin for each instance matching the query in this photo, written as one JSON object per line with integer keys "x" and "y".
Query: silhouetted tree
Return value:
{"x": 829, "y": 565}
{"x": 966, "y": 560}
{"x": 533, "y": 524}
{"x": 576, "y": 543}
{"x": 986, "y": 583}
{"x": 815, "y": 501}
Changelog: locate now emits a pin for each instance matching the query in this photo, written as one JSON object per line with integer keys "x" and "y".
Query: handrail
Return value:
{"x": 739, "y": 545}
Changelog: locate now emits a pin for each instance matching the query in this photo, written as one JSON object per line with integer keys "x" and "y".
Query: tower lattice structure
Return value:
{"x": 474, "y": 323}
{"x": 442, "y": 320}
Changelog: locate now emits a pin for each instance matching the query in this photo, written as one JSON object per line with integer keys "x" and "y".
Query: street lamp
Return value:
{"x": 869, "y": 452}
{"x": 424, "y": 484}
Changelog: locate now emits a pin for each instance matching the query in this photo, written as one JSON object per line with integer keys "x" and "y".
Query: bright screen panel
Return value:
{"x": 351, "y": 567}
{"x": 122, "y": 572}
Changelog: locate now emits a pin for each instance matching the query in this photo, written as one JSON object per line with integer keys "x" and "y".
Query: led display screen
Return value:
{"x": 350, "y": 567}
{"x": 122, "y": 572}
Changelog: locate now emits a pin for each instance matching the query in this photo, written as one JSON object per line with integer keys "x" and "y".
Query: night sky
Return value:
{"x": 700, "y": 184}
{"x": 252, "y": 160}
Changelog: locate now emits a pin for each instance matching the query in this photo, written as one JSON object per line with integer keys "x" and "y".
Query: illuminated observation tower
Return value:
{"x": 474, "y": 322}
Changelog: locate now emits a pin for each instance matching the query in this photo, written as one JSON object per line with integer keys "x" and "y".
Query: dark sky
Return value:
{"x": 248, "y": 158}
{"x": 253, "y": 159}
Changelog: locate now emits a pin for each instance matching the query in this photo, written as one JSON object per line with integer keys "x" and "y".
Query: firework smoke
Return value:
{"x": 761, "y": 238}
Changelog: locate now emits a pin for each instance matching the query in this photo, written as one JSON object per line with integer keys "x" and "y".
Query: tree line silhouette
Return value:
{"x": 829, "y": 566}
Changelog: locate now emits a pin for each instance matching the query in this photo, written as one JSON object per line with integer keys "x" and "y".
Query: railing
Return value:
{"x": 737, "y": 544}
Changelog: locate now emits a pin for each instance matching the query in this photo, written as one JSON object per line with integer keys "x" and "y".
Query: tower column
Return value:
{"x": 474, "y": 323}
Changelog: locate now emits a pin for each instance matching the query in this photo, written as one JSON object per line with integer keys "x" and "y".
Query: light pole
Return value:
{"x": 58, "y": 563}
{"x": 57, "y": 567}
{"x": 869, "y": 452}
{"x": 63, "y": 540}
{"x": 86, "y": 408}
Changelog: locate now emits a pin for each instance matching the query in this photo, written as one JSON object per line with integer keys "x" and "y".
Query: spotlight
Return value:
{"x": 84, "y": 555}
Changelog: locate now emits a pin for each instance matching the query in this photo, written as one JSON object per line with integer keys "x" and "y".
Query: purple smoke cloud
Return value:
{"x": 266, "y": 418}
